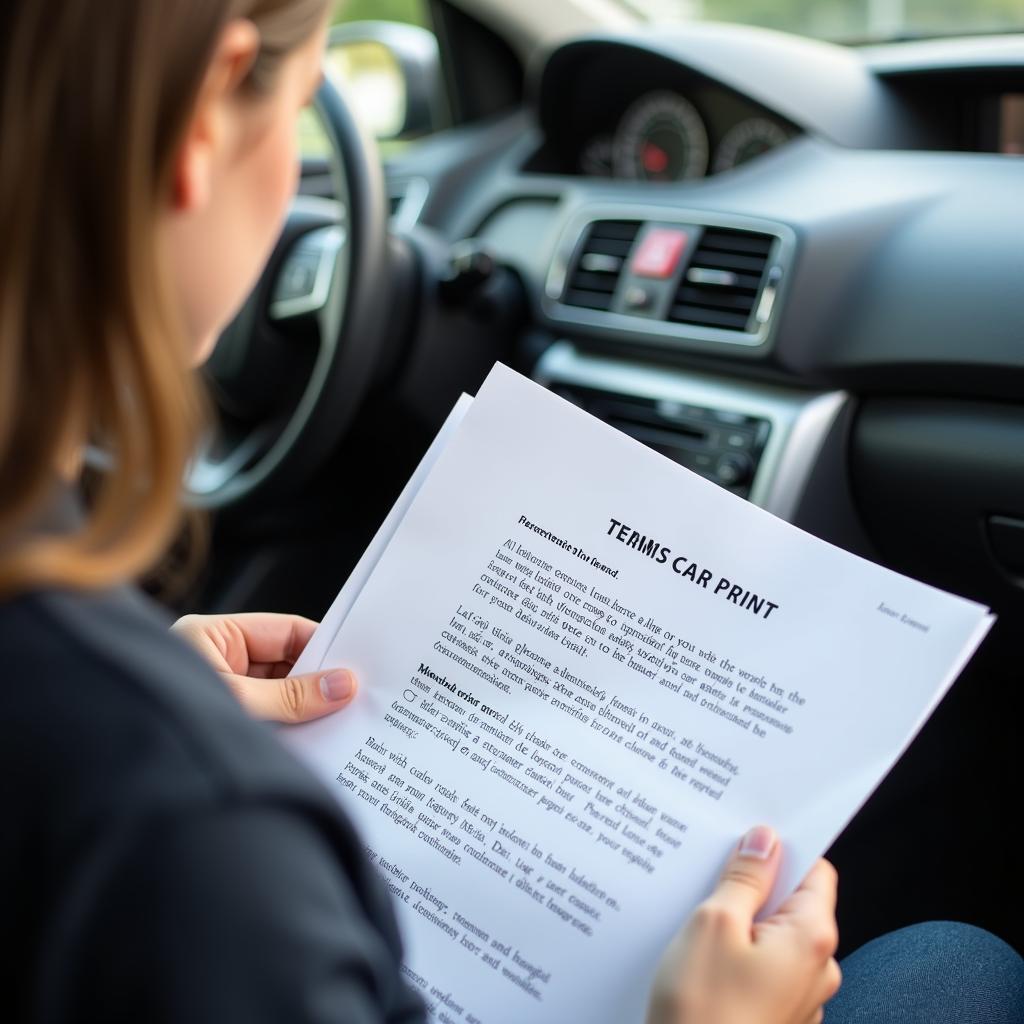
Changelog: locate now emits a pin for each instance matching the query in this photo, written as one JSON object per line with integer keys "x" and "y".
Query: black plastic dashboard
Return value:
{"x": 878, "y": 253}
{"x": 905, "y": 263}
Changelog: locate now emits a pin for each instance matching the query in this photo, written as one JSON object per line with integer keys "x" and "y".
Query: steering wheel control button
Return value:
{"x": 299, "y": 276}
{"x": 659, "y": 253}
{"x": 304, "y": 281}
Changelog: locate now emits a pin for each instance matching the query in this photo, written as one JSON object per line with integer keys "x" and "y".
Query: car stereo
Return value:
{"x": 724, "y": 447}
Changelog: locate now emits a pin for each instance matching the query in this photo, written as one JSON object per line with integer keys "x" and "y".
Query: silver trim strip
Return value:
{"x": 701, "y": 275}
{"x": 601, "y": 264}
{"x": 800, "y": 420}
{"x": 807, "y": 434}
{"x": 660, "y": 331}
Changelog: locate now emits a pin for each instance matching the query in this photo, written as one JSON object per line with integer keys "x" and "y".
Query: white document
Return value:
{"x": 584, "y": 673}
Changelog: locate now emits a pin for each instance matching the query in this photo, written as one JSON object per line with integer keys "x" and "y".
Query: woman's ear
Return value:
{"x": 210, "y": 131}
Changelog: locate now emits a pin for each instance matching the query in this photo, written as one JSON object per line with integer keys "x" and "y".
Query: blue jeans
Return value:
{"x": 939, "y": 973}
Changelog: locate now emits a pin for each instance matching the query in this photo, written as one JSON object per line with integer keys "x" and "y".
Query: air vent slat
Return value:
{"x": 721, "y": 285}
{"x": 739, "y": 282}
{"x": 709, "y": 317}
{"x": 609, "y": 246}
{"x": 599, "y": 263}
{"x": 720, "y": 299}
{"x": 588, "y": 300}
{"x": 727, "y": 261}
{"x": 756, "y": 245}
{"x": 625, "y": 229}
{"x": 594, "y": 282}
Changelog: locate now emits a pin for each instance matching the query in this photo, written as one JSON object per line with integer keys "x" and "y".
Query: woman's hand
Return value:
{"x": 723, "y": 968}
{"x": 255, "y": 652}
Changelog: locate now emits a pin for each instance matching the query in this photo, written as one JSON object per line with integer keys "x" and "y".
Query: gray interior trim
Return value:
{"x": 787, "y": 482}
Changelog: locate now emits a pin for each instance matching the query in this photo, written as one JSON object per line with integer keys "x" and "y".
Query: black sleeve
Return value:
{"x": 239, "y": 914}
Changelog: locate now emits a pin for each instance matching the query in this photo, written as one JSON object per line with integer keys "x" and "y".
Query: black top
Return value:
{"x": 162, "y": 857}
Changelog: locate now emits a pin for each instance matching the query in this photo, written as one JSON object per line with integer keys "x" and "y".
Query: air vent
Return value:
{"x": 600, "y": 260}
{"x": 723, "y": 280}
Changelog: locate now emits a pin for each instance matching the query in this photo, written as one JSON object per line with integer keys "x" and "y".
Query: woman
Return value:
{"x": 163, "y": 858}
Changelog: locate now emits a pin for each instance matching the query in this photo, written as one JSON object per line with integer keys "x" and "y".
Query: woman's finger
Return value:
{"x": 294, "y": 699}
{"x": 239, "y": 643}
{"x": 831, "y": 979}
{"x": 748, "y": 876}
{"x": 270, "y": 637}
{"x": 815, "y": 896}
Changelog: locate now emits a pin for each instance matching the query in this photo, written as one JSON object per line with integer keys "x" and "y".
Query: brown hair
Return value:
{"x": 94, "y": 99}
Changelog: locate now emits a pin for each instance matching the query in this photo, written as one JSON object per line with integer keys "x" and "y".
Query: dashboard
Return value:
{"x": 725, "y": 226}
{"x": 879, "y": 187}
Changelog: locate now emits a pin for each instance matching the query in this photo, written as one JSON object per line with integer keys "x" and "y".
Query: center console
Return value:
{"x": 759, "y": 441}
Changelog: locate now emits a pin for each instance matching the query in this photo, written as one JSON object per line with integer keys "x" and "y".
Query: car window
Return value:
{"x": 369, "y": 74}
{"x": 845, "y": 20}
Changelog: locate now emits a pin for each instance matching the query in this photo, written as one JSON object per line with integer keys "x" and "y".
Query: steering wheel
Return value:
{"x": 290, "y": 372}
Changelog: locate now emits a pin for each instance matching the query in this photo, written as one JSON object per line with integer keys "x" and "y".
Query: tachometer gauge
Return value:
{"x": 661, "y": 137}
{"x": 597, "y": 157}
{"x": 747, "y": 140}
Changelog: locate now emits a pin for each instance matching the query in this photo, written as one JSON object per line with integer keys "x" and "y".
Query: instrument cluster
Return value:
{"x": 663, "y": 136}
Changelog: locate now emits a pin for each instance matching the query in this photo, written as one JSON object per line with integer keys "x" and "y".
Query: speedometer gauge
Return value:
{"x": 598, "y": 156}
{"x": 661, "y": 137}
{"x": 747, "y": 140}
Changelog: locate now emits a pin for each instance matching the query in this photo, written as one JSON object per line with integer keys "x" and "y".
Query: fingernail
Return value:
{"x": 758, "y": 843}
{"x": 337, "y": 685}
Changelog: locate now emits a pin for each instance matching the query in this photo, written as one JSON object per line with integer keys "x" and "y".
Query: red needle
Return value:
{"x": 655, "y": 158}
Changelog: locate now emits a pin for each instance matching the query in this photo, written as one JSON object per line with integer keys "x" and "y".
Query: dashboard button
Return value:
{"x": 734, "y": 470}
{"x": 659, "y": 252}
{"x": 637, "y": 298}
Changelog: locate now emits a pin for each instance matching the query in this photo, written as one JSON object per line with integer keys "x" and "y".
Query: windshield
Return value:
{"x": 846, "y": 20}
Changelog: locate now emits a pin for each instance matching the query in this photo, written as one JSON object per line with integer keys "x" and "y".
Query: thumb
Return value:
{"x": 747, "y": 879}
{"x": 295, "y": 698}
